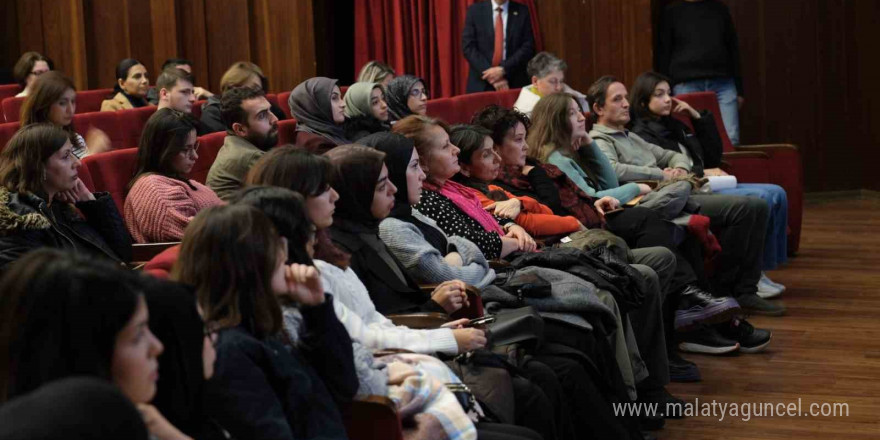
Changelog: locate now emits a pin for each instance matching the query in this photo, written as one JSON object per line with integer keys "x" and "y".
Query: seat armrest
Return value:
{"x": 143, "y": 252}
{"x": 419, "y": 320}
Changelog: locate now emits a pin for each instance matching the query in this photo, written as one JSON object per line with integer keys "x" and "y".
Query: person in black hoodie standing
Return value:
{"x": 697, "y": 47}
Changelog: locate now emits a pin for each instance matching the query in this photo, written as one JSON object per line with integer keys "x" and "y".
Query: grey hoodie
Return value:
{"x": 632, "y": 157}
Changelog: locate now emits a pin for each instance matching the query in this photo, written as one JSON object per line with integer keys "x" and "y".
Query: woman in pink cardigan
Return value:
{"x": 161, "y": 200}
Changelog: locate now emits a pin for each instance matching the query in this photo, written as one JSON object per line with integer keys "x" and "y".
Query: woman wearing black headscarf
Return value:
{"x": 406, "y": 95}
{"x": 360, "y": 171}
{"x": 319, "y": 109}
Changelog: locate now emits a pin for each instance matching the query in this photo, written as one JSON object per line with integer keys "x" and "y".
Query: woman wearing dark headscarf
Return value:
{"x": 73, "y": 408}
{"x": 366, "y": 110}
{"x": 319, "y": 110}
{"x": 359, "y": 171}
{"x": 406, "y": 95}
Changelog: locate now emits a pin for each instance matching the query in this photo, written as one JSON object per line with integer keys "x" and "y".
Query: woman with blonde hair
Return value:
{"x": 376, "y": 72}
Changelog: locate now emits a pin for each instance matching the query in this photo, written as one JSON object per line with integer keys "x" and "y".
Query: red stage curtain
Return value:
{"x": 419, "y": 37}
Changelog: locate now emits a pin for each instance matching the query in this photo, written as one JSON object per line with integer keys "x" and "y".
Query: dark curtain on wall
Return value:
{"x": 419, "y": 37}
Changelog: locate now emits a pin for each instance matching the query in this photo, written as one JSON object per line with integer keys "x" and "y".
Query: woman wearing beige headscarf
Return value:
{"x": 366, "y": 111}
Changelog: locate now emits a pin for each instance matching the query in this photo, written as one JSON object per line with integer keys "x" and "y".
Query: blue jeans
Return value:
{"x": 776, "y": 237}
{"x": 725, "y": 88}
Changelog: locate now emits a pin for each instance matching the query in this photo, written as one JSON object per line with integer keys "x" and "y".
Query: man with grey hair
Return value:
{"x": 548, "y": 77}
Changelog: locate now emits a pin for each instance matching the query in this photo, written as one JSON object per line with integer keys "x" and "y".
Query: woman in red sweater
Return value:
{"x": 161, "y": 200}
{"x": 480, "y": 165}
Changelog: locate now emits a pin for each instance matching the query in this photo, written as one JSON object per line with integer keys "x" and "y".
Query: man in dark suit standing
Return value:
{"x": 498, "y": 43}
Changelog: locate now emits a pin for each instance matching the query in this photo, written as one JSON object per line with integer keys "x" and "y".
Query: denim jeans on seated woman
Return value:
{"x": 776, "y": 238}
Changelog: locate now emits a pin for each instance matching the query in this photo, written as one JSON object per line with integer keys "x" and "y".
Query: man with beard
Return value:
{"x": 251, "y": 130}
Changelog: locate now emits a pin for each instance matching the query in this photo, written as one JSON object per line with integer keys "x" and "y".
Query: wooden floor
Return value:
{"x": 825, "y": 350}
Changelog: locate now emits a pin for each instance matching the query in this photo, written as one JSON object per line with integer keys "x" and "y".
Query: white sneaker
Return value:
{"x": 767, "y": 288}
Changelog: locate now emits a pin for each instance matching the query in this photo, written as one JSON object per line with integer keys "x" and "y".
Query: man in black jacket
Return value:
{"x": 498, "y": 43}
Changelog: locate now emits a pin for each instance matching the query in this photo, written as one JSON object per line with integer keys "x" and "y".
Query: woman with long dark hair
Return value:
{"x": 652, "y": 109}
{"x": 161, "y": 199}
{"x": 263, "y": 387}
{"x": 68, "y": 315}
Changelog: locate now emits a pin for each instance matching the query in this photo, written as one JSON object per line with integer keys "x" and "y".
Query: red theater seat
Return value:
{"x": 7, "y": 130}
{"x": 272, "y": 98}
{"x": 9, "y": 90}
{"x": 104, "y": 121}
{"x": 771, "y": 163}
{"x": 445, "y": 109}
{"x": 90, "y": 100}
{"x": 111, "y": 172}
{"x": 472, "y": 103}
{"x": 197, "y": 109}
{"x": 282, "y": 102}
{"x": 286, "y": 131}
{"x": 132, "y": 123}
{"x": 12, "y": 108}
{"x": 209, "y": 146}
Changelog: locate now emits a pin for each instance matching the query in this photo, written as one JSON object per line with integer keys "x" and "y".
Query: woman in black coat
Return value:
{"x": 40, "y": 194}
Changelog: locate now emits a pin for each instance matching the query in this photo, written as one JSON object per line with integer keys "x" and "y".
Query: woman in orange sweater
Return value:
{"x": 480, "y": 165}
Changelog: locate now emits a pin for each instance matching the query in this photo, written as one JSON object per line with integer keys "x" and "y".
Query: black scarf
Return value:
{"x": 398, "y": 151}
{"x": 397, "y": 96}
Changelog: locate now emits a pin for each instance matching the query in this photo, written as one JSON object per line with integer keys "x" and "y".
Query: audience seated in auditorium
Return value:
{"x": 406, "y": 95}
{"x": 28, "y": 68}
{"x": 161, "y": 200}
{"x": 240, "y": 74}
{"x": 457, "y": 211}
{"x": 54, "y": 330}
{"x": 131, "y": 87}
{"x": 741, "y": 221}
{"x": 559, "y": 137}
{"x": 430, "y": 256}
{"x": 71, "y": 402}
{"x": 548, "y": 77}
{"x": 264, "y": 386}
{"x": 175, "y": 90}
{"x": 319, "y": 110}
{"x": 480, "y": 165}
{"x": 640, "y": 227}
{"x": 366, "y": 111}
{"x": 288, "y": 212}
{"x": 41, "y": 199}
{"x": 366, "y": 196}
{"x": 651, "y": 111}
{"x": 186, "y": 66}
{"x": 252, "y": 129}
{"x": 376, "y": 72}
{"x": 497, "y": 41}
{"x": 53, "y": 100}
